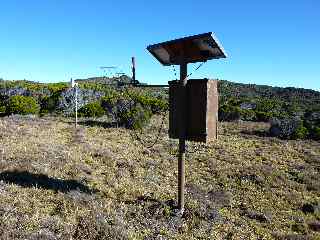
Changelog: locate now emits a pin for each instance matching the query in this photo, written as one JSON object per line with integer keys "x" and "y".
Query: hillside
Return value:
{"x": 106, "y": 80}
{"x": 301, "y": 96}
{"x": 253, "y": 90}
{"x": 226, "y": 88}
{"x": 294, "y": 113}
{"x": 100, "y": 183}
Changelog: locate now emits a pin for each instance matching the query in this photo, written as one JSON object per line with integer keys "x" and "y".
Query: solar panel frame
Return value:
{"x": 188, "y": 49}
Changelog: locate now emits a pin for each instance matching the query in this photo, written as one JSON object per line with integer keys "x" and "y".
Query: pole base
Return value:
{"x": 178, "y": 212}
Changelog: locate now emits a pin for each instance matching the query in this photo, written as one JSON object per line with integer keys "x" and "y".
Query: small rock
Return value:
{"x": 215, "y": 216}
{"x": 261, "y": 217}
{"x": 253, "y": 178}
{"x": 146, "y": 151}
{"x": 220, "y": 197}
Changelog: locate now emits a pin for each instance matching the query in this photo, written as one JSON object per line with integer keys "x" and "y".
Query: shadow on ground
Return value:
{"x": 258, "y": 133}
{"x": 94, "y": 123}
{"x": 28, "y": 180}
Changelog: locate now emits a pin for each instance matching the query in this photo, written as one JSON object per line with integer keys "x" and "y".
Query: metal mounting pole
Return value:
{"x": 182, "y": 135}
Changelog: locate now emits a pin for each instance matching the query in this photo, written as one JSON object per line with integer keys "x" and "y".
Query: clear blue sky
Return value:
{"x": 274, "y": 42}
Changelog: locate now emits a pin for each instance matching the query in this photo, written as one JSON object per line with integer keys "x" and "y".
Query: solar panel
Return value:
{"x": 197, "y": 48}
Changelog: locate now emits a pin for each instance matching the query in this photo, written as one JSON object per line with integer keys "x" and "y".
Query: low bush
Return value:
{"x": 156, "y": 105}
{"x": 48, "y": 104}
{"x": 294, "y": 128}
{"x": 93, "y": 109}
{"x": 127, "y": 112}
{"x": 2, "y": 104}
{"x": 2, "y": 111}
{"x": 285, "y": 128}
{"x": 263, "y": 116}
{"x": 301, "y": 132}
{"x": 109, "y": 103}
{"x": 3, "y": 108}
{"x": 132, "y": 110}
{"x": 268, "y": 105}
{"x": 248, "y": 115}
{"x": 312, "y": 122}
{"x": 57, "y": 87}
{"x": 22, "y": 105}
{"x": 229, "y": 113}
{"x": 315, "y": 133}
{"x": 135, "y": 118}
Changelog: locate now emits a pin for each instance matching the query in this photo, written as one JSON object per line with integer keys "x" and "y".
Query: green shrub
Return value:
{"x": 291, "y": 108}
{"x": 248, "y": 115}
{"x": 156, "y": 105}
{"x": 132, "y": 110}
{"x": 22, "y": 105}
{"x": 268, "y": 105}
{"x": 263, "y": 116}
{"x": 57, "y": 87}
{"x": 315, "y": 133}
{"x": 95, "y": 86}
{"x": 48, "y": 104}
{"x": 301, "y": 132}
{"x": 232, "y": 101}
{"x": 2, "y": 109}
{"x": 109, "y": 102}
{"x": 93, "y": 109}
{"x": 137, "y": 117}
{"x": 229, "y": 113}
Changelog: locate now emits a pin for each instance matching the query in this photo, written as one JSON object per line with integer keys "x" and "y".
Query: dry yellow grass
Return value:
{"x": 99, "y": 183}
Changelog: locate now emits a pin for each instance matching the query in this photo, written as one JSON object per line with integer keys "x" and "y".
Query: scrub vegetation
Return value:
{"x": 259, "y": 180}
{"x": 294, "y": 113}
{"x": 97, "y": 182}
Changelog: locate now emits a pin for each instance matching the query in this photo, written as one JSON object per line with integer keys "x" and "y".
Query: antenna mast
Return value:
{"x": 74, "y": 85}
{"x": 133, "y": 71}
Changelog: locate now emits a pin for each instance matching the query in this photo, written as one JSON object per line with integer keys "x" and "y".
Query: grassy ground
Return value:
{"x": 100, "y": 183}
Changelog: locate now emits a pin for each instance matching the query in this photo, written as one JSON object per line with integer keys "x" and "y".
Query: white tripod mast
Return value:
{"x": 74, "y": 85}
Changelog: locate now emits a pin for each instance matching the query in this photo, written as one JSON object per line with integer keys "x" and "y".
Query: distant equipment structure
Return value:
{"x": 193, "y": 104}
{"x": 108, "y": 70}
{"x": 120, "y": 73}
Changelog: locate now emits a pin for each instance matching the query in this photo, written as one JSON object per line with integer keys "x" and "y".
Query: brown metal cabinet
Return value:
{"x": 202, "y": 109}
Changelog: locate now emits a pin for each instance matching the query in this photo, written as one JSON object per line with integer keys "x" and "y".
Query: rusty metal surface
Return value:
{"x": 197, "y": 106}
{"x": 173, "y": 106}
{"x": 202, "y": 116}
{"x": 212, "y": 110}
